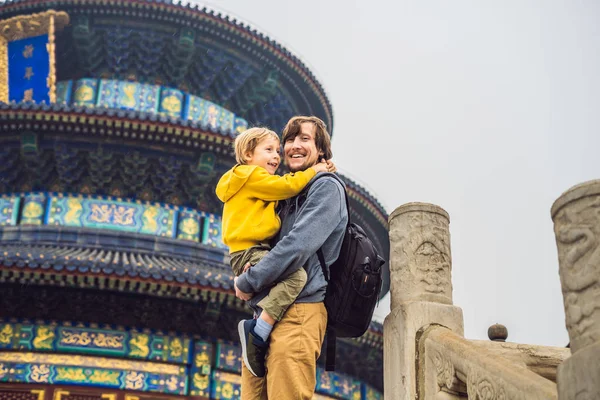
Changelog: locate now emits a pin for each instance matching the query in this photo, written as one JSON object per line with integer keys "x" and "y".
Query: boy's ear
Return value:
{"x": 247, "y": 155}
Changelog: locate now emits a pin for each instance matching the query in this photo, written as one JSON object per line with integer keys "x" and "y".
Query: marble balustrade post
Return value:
{"x": 421, "y": 291}
{"x": 576, "y": 216}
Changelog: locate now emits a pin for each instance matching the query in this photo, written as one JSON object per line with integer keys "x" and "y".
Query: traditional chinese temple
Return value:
{"x": 117, "y": 118}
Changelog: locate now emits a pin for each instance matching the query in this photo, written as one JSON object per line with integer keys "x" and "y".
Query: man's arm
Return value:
{"x": 323, "y": 210}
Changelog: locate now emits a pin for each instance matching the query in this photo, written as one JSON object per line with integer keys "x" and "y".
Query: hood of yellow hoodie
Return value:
{"x": 232, "y": 181}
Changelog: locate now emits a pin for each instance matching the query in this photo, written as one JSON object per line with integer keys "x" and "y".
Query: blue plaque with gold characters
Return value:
{"x": 27, "y": 57}
{"x": 28, "y": 69}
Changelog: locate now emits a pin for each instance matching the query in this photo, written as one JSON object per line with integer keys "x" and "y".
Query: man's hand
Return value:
{"x": 239, "y": 294}
{"x": 247, "y": 266}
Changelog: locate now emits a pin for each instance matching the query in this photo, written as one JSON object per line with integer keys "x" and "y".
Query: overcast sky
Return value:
{"x": 488, "y": 109}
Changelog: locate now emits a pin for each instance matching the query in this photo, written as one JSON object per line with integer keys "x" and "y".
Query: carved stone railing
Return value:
{"x": 425, "y": 353}
{"x": 452, "y": 367}
{"x": 576, "y": 216}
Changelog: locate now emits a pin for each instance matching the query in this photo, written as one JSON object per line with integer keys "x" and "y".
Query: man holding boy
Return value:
{"x": 318, "y": 221}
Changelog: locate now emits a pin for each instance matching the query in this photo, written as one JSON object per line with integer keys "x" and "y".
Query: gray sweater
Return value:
{"x": 320, "y": 221}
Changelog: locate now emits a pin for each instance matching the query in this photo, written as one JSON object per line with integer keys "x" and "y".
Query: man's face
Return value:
{"x": 301, "y": 151}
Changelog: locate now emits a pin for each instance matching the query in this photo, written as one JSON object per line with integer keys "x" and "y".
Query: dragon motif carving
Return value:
{"x": 578, "y": 241}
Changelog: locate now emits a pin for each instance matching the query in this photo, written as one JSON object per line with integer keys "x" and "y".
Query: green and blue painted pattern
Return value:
{"x": 24, "y": 372}
{"x": 211, "y": 232}
{"x": 27, "y": 336}
{"x": 336, "y": 384}
{"x": 200, "y": 372}
{"x": 226, "y": 386}
{"x": 229, "y": 357}
{"x": 128, "y": 95}
{"x": 110, "y": 214}
{"x": 189, "y": 225}
{"x": 9, "y": 210}
{"x": 63, "y": 92}
{"x": 193, "y": 371}
{"x": 208, "y": 113}
{"x": 113, "y": 214}
{"x": 171, "y": 102}
{"x": 148, "y": 98}
{"x": 34, "y": 208}
{"x": 239, "y": 125}
{"x": 85, "y": 92}
{"x": 370, "y": 393}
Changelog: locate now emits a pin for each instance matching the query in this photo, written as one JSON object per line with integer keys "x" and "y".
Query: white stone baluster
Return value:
{"x": 576, "y": 216}
{"x": 421, "y": 291}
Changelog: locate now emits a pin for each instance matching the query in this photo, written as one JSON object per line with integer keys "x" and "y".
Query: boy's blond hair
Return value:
{"x": 247, "y": 141}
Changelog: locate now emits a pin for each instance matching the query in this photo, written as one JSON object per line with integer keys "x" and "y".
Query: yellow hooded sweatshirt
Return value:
{"x": 250, "y": 195}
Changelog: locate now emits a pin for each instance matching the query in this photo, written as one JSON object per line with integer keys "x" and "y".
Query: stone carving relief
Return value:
{"x": 577, "y": 230}
{"x": 480, "y": 385}
{"x": 446, "y": 375}
{"x": 420, "y": 254}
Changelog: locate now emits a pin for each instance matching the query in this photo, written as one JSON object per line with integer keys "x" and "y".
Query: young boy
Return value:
{"x": 250, "y": 191}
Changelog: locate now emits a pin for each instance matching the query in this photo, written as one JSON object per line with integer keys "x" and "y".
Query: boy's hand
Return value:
{"x": 320, "y": 166}
{"x": 330, "y": 166}
{"x": 239, "y": 294}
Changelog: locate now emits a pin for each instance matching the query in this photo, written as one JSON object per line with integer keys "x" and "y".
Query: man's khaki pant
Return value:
{"x": 291, "y": 363}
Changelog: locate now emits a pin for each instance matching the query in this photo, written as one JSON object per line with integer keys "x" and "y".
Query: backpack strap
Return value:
{"x": 330, "y": 335}
{"x": 302, "y": 196}
{"x": 330, "y": 351}
{"x": 323, "y": 265}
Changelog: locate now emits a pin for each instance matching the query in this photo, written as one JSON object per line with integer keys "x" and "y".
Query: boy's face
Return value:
{"x": 266, "y": 155}
{"x": 301, "y": 151}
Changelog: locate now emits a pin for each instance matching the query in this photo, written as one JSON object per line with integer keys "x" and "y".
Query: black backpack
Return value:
{"x": 353, "y": 287}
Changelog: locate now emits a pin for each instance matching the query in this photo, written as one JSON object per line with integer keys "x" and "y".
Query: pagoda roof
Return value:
{"x": 116, "y": 254}
{"x": 238, "y": 67}
{"x": 64, "y": 113}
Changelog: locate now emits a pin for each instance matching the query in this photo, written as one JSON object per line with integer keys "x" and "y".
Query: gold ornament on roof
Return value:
{"x": 171, "y": 104}
{"x": 176, "y": 348}
{"x": 44, "y": 338}
{"x": 6, "y": 334}
{"x": 32, "y": 210}
{"x": 84, "y": 94}
{"x": 26, "y": 26}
